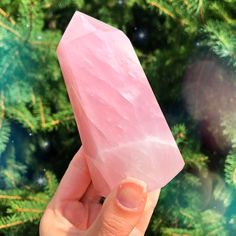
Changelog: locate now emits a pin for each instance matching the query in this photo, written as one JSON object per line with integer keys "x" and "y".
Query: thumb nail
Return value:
{"x": 131, "y": 195}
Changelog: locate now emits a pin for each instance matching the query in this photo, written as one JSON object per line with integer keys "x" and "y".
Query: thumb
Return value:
{"x": 122, "y": 209}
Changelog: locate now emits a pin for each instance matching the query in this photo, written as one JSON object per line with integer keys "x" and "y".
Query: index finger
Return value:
{"x": 76, "y": 179}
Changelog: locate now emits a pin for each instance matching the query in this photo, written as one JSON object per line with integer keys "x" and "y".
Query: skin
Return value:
{"x": 75, "y": 210}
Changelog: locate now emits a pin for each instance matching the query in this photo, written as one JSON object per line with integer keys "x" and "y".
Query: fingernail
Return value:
{"x": 131, "y": 195}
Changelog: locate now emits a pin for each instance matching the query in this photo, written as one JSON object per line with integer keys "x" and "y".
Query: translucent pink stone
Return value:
{"x": 122, "y": 128}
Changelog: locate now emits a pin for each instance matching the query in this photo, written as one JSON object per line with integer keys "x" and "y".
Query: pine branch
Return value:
{"x": 21, "y": 72}
{"x": 28, "y": 206}
{"x": 49, "y": 121}
{"x": 4, "y": 134}
{"x": 221, "y": 40}
{"x": 7, "y": 16}
{"x": 194, "y": 159}
{"x": 60, "y": 4}
{"x": 10, "y": 197}
{"x": 228, "y": 123}
{"x": 219, "y": 9}
{"x": 18, "y": 197}
{"x": 178, "y": 13}
{"x": 7, "y": 222}
{"x": 11, "y": 30}
{"x": 200, "y": 9}
{"x": 41, "y": 110}
{"x": 178, "y": 232}
{"x": 41, "y": 43}
{"x": 221, "y": 193}
{"x": 12, "y": 55}
{"x": 220, "y": 33}
{"x": 179, "y": 131}
{"x": 22, "y": 207}
{"x": 192, "y": 180}
{"x": 213, "y": 223}
{"x": 30, "y": 6}
{"x": 230, "y": 168}
{"x": 2, "y": 107}
{"x": 23, "y": 116}
{"x": 51, "y": 183}
{"x": 186, "y": 3}
{"x": 163, "y": 9}
{"x": 12, "y": 172}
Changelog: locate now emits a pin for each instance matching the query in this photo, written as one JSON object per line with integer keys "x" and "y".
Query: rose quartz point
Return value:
{"x": 122, "y": 128}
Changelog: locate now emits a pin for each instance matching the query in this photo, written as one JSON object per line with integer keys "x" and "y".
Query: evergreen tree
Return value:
{"x": 187, "y": 49}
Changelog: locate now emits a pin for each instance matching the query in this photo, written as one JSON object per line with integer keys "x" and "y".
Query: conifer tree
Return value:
{"x": 174, "y": 40}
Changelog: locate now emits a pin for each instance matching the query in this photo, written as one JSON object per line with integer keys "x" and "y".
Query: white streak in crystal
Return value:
{"x": 138, "y": 143}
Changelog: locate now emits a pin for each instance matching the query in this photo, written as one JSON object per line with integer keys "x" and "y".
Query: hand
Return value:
{"x": 75, "y": 209}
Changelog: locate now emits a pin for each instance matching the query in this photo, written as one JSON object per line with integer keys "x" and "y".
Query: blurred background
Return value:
{"x": 188, "y": 51}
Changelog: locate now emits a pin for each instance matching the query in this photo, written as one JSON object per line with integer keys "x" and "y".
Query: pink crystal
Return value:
{"x": 122, "y": 128}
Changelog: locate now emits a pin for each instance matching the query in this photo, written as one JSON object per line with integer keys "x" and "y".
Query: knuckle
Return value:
{"x": 113, "y": 227}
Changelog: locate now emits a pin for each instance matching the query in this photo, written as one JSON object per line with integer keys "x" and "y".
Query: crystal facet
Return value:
{"x": 122, "y": 127}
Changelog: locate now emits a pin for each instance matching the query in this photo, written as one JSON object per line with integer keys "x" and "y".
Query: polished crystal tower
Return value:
{"x": 122, "y": 128}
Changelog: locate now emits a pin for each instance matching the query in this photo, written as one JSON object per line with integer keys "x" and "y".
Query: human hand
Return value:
{"x": 75, "y": 209}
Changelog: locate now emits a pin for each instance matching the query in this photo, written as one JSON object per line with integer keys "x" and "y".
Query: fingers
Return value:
{"x": 122, "y": 209}
{"x": 91, "y": 196}
{"x": 76, "y": 179}
{"x": 92, "y": 199}
{"x": 142, "y": 225}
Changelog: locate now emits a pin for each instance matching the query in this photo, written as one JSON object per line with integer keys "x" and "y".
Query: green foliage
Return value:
{"x": 22, "y": 206}
{"x": 211, "y": 26}
{"x": 31, "y": 93}
{"x": 26, "y": 48}
{"x": 228, "y": 123}
{"x": 230, "y": 168}
{"x": 212, "y": 20}
{"x": 179, "y": 131}
{"x": 186, "y": 212}
{"x": 4, "y": 134}
{"x": 220, "y": 38}
{"x": 33, "y": 97}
